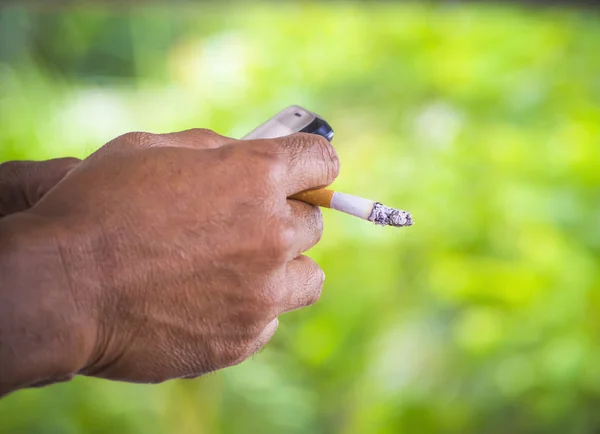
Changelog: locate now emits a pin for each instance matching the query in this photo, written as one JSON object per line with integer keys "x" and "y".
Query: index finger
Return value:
{"x": 311, "y": 160}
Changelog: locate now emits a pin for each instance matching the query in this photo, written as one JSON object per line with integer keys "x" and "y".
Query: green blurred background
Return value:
{"x": 481, "y": 119}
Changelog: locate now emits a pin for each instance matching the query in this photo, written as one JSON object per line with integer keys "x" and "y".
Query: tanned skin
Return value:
{"x": 160, "y": 256}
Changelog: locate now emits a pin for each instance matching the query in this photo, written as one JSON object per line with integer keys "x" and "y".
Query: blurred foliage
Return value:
{"x": 482, "y": 120}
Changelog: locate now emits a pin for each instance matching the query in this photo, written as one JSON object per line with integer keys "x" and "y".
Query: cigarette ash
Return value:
{"x": 385, "y": 216}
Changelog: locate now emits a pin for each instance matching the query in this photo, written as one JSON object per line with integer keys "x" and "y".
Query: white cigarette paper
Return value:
{"x": 370, "y": 210}
{"x": 357, "y": 206}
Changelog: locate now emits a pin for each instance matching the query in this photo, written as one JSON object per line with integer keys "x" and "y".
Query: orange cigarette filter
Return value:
{"x": 321, "y": 197}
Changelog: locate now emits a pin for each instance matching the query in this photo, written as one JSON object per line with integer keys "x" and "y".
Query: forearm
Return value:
{"x": 38, "y": 320}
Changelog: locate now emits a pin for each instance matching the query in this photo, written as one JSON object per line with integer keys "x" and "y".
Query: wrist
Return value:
{"x": 45, "y": 328}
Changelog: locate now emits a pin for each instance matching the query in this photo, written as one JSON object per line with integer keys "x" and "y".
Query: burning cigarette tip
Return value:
{"x": 386, "y": 216}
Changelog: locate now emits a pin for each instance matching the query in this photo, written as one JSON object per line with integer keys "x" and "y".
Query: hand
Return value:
{"x": 181, "y": 250}
{"x": 24, "y": 183}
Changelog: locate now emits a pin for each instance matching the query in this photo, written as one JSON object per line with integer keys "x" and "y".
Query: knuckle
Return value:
{"x": 302, "y": 141}
{"x": 203, "y": 131}
{"x": 196, "y": 138}
{"x": 260, "y": 340}
{"x": 298, "y": 147}
{"x": 316, "y": 279}
{"x": 138, "y": 139}
{"x": 269, "y": 299}
{"x": 260, "y": 304}
{"x": 311, "y": 279}
{"x": 329, "y": 157}
{"x": 279, "y": 241}
{"x": 265, "y": 169}
{"x": 272, "y": 169}
{"x": 207, "y": 134}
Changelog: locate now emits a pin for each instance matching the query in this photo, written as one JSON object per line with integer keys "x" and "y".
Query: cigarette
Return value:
{"x": 365, "y": 209}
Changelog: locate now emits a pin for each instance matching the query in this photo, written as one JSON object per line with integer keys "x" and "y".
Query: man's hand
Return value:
{"x": 178, "y": 253}
{"x": 24, "y": 183}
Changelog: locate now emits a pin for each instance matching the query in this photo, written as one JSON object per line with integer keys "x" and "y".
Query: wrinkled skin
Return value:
{"x": 157, "y": 257}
